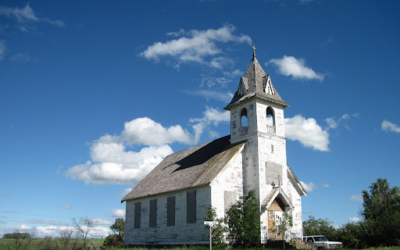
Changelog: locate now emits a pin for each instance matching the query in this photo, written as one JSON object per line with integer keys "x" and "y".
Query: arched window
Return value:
{"x": 243, "y": 118}
{"x": 270, "y": 120}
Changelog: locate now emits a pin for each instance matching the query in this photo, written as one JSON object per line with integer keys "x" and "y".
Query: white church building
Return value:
{"x": 168, "y": 206}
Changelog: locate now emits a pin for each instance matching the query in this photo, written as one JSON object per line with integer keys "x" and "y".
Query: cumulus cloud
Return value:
{"x": 390, "y": 127}
{"x": 289, "y": 65}
{"x": 307, "y": 132}
{"x": 2, "y": 49}
{"x": 354, "y": 219}
{"x": 54, "y": 231}
{"x": 211, "y": 117}
{"x": 197, "y": 46}
{"x": 356, "y": 197}
{"x": 309, "y": 187}
{"x": 148, "y": 132}
{"x": 125, "y": 192}
{"x": 325, "y": 185}
{"x": 111, "y": 162}
{"x": 27, "y": 15}
{"x": 116, "y": 213}
{"x": 67, "y": 207}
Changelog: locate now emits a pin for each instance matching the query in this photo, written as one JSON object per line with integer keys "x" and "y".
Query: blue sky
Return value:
{"x": 94, "y": 94}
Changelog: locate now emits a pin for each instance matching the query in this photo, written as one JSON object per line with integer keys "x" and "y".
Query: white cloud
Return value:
{"x": 334, "y": 123}
{"x": 331, "y": 122}
{"x": 356, "y": 197}
{"x": 214, "y": 95}
{"x": 67, "y": 207}
{"x": 289, "y": 65}
{"x": 116, "y": 213}
{"x": 211, "y": 82}
{"x": 309, "y": 187}
{"x": 27, "y": 15}
{"x": 234, "y": 73}
{"x": 325, "y": 185}
{"x": 146, "y": 131}
{"x": 54, "y": 231}
{"x": 102, "y": 222}
{"x": 125, "y": 192}
{"x": 212, "y": 116}
{"x": 307, "y": 132}
{"x": 197, "y": 46}
{"x": 181, "y": 32}
{"x": 354, "y": 219}
{"x": 113, "y": 163}
{"x": 390, "y": 127}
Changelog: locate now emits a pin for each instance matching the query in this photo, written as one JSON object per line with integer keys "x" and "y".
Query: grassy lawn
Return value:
{"x": 35, "y": 244}
{"x": 40, "y": 243}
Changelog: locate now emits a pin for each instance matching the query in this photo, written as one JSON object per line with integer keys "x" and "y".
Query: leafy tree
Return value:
{"x": 244, "y": 221}
{"x": 117, "y": 239}
{"x": 218, "y": 230}
{"x": 381, "y": 201}
{"x": 314, "y": 226}
{"x": 118, "y": 227}
{"x": 381, "y": 213}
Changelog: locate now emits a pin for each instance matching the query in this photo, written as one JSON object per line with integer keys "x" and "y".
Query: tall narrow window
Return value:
{"x": 138, "y": 214}
{"x": 153, "y": 213}
{"x": 270, "y": 120}
{"x": 171, "y": 211}
{"x": 191, "y": 206}
{"x": 270, "y": 117}
{"x": 243, "y": 118}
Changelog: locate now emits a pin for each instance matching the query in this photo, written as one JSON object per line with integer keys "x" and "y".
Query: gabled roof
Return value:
{"x": 193, "y": 167}
{"x": 255, "y": 83}
{"x": 277, "y": 192}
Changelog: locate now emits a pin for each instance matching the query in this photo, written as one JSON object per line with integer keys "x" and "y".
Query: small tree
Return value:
{"x": 66, "y": 238}
{"x": 118, "y": 227}
{"x": 83, "y": 228}
{"x": 244, "y": 221}
{"x": 285, "y": 224}
{"x": 117, "y": 239}
{"x": 218, "y": 230}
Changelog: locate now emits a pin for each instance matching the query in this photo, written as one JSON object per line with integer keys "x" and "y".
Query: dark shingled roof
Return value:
{"x": 253, "y": 84}
{"x": 190, "y": 168}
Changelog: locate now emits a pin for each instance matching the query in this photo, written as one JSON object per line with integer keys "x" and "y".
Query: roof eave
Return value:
{"x": 249, "y": 97}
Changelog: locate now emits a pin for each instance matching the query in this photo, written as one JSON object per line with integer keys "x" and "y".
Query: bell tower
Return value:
{"x": 257, "y": 117}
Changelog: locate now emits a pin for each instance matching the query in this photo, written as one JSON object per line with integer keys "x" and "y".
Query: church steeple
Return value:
{"x": 256, "y": 83}
{"x": 256, "y": 106}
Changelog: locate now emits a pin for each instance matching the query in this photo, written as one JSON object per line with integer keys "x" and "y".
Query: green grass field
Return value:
{"x": 37, "y": 244}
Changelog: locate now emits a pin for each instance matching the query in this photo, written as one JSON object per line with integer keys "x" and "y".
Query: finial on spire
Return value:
{"x": 254, "y": 51}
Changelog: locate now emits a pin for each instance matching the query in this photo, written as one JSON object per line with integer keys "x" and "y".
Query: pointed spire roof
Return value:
{"x": 255, "y": 83}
